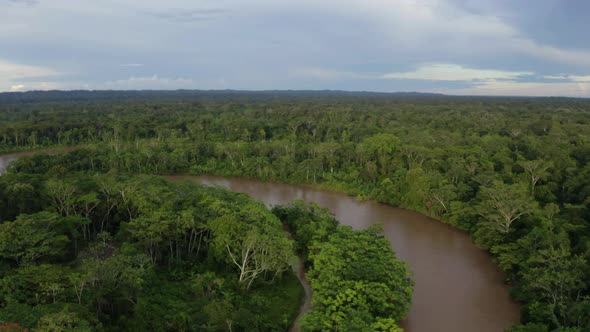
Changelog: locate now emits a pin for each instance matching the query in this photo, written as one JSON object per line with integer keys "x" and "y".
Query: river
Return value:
{"x": 458, "y": 287}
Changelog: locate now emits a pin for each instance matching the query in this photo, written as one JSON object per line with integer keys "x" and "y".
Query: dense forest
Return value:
{"x": 102, "y": 252}
{"x": 512, "y": 172}
{"x": 87, "y": 251}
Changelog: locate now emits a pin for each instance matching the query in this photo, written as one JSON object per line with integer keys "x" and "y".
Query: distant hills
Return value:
{"x": 105, "y": 95}
{"x": 59, "y": 95}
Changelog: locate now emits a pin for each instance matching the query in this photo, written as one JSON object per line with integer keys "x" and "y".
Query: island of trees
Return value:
{"x": 96, "y": 239}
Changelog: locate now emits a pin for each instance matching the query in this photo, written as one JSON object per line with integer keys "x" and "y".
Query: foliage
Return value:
{"x": 32, "y": 237}
{"x": 357, "y": 283}
{"x": 107, "y": 252}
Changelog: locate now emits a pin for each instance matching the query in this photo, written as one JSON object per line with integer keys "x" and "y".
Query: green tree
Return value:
{"x": 536, "y": 170}
{"x": 381, "y": 147}
{"x": 355, "y": 275}
{"x": 502, "y": 204}
{"x": 63, "y": 321}
{"x": 32, "y": 237}
{"x": 253, "y": 249}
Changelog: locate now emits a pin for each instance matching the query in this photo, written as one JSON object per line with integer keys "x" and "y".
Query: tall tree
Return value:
{"x": 502, "y": 204}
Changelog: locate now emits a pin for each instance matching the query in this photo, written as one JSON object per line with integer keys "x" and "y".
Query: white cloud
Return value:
{"x": 504, "y": 88}
{"x": 432, "y": 72}
{"x": 24, "y": 2}
{"x": 441, "y": 27}
{"x": 132, "y": 65}
{"x": 13, "y": 71}
{"x": 17, "y": 87}
{"x": 551, "y": 53}
{"x": 326, "y": 74}
{"x": 38, "y": 86}
{"x": 572, "y": 78}
{"x": 20, "y": 77}
{"x": 453, "y": 72}
{"x": 146, "y": 83}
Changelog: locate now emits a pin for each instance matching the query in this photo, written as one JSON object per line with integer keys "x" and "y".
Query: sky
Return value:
{"x": 461, "y": 47}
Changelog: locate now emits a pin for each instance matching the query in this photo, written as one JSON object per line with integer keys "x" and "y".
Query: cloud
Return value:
{"x": 24, "y": 2}
{"x": 379, "y": 45}
{"x": 431, "y": 72}
{"x": 453, "y": 72}
{"x": 551, "y": 53}
{"x": 36, "y": 86}
{"x": 16, "y": 77}
{"x": 153, "y": 82}
{"x": 17, "y": 87}
{"x": 445, "y": 28}
{"x": 538, "y": 89}
{"x": 11, "y": 70}
{"x": 571, "y": 78}
{"x": 190, "y": 15}
{"x": 326, "y": 74}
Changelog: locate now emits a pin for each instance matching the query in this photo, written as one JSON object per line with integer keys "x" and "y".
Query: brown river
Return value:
{"x": 458, "y": 287}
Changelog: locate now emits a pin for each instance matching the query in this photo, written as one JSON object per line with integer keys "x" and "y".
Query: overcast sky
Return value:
{"x": 480, "y": 47}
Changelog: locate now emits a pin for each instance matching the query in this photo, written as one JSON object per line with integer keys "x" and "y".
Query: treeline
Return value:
{"x": 514, "y": 173}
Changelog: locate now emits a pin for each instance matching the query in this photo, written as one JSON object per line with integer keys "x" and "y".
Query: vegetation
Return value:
{"x": 357, "y": 283}
{"x": 513, "y": 172}
{"x": 140, "y": 253}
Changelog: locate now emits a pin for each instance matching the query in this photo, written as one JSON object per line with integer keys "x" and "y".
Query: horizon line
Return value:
{"x": 326, "y": 91}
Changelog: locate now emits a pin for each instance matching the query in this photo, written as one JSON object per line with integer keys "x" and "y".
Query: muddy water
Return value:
{"x": 458, "y": 288}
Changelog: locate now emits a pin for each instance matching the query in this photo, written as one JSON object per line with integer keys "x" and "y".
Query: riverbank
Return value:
{"x": 32, "y": 149}
{"x": 6, "y": 158}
